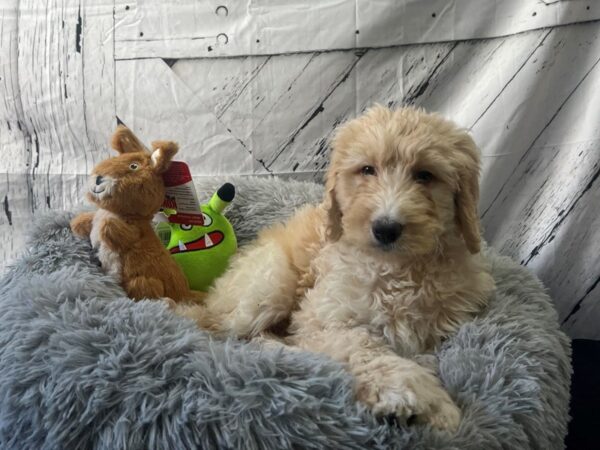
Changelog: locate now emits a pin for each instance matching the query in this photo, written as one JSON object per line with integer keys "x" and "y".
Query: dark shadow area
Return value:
{"x": 585, "y": 396}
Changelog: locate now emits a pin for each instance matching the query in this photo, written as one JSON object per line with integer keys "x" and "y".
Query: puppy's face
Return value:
{"x": 399, "y": 180}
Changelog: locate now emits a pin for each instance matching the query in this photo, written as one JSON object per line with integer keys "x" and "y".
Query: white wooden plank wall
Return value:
{"x": 258, "y": 86}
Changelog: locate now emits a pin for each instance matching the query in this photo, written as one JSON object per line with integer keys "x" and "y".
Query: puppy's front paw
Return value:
{"x": 391, "y": 385}
{"x": 443, "y": 414}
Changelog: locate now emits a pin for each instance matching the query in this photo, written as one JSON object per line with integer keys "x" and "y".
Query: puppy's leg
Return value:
{"x": 385, "y": 382}
{"x": 427, "y": 360}
{"x": 263, "y": 283}
{"x": 257, "y": 291}
{"x": 194, "y": 311}
{"x": 391, "y": 384}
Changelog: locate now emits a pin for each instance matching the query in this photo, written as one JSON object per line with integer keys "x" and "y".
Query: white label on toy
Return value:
{"x": 180, "y": 195}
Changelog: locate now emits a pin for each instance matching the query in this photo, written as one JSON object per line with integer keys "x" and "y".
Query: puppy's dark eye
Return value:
{"x": 134, "y": 166}
{"x": 423, "y": 177}
{"x": 368, "y": 170}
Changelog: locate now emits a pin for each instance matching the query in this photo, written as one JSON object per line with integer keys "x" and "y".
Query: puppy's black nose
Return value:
{"x": 386, "y": 231}
{"x": 99, "y": 179}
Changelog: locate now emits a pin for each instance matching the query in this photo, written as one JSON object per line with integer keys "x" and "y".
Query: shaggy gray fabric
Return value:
{"x": 83, "y": 367}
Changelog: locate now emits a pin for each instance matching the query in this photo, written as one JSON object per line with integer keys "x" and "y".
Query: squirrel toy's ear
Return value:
{"x": 162, "y": 154}
{"x": 124, "y": 141}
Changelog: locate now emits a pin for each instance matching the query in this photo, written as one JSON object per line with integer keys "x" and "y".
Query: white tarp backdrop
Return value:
{"x": 257, "y": 87}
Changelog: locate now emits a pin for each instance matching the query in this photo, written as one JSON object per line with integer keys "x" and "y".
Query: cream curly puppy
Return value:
{"x": 379, "y": 273}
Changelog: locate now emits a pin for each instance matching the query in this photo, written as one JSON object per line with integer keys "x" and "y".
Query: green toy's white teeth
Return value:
{"x": 206, "y": 241}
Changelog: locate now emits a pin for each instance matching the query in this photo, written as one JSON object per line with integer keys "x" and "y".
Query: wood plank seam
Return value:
{"x": 501, "y": 190}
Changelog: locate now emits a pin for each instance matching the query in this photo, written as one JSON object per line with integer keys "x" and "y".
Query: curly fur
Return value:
{"x": 371, "y": 305}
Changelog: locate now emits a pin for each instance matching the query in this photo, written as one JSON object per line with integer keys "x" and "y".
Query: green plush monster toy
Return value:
{"x": 203, "y": 251}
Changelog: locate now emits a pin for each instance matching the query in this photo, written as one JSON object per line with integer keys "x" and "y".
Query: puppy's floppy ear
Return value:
{"x": 124, "y": 141}
{"x": 334, "y": 213}
{"x": 467, "y": 196}
{"x": 162, "y": 154}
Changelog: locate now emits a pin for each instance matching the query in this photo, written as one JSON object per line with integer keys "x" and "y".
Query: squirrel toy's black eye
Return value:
{"x": 368, "y": 170}
{"x": 423, "y": 176}
{"x": 134, "y": 166}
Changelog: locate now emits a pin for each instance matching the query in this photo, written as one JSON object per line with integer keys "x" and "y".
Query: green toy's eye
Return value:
{"x": 207, "y": 220}
{"x": 185, "y": 227}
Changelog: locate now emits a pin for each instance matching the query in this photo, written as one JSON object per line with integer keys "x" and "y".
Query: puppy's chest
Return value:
{"x": 412, "y": 309}
{"x": 407, "y": 313}
{"x": 412, "y": 314}
{"x": 110, "y": 260}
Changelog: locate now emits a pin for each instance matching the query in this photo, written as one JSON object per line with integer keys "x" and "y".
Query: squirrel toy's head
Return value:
{"x": 130, "y": 184}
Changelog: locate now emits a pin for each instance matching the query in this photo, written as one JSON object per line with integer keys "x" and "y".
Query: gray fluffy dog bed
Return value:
{"x": 81, "y": 366}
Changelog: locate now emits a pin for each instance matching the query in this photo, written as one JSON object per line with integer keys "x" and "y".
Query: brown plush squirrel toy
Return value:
{"x": 128, "y": 190}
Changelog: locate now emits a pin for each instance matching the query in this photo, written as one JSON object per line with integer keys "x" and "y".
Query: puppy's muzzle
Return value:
{"x": 386, "y": 231}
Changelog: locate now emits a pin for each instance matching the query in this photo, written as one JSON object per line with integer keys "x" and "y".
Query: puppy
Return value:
{"x": 380, "y": 272}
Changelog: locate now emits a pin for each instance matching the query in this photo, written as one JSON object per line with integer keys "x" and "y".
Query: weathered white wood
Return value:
{"x": 12, "y": 143}
{"x": 24, "y": 198}
{"x": 473, "y": 76}
{"x": 266, "y": 105}
{"x": 528, "y": 104}
{"x": 97, "y": 76}
{"x": 365, "y": 84}
{"x": 220, "y": 81}
{"x": 432, "y": 76}
{"x": 155, "y": 104}
{"x": 566, "y": 256}
{"x": 547, "y": 218}
{"x": 73, "y": 50}
{"x": 289, "y": 104}
{"x": 388, "y": 22}
{"x": 169, "y": 29}
{"x": 57, "y": 106}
